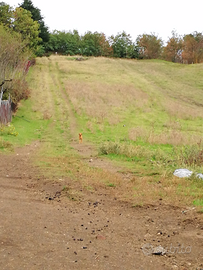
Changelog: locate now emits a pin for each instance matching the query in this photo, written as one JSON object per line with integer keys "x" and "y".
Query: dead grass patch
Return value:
{"x": 124, "y": 149}
{"x": 99, "y": 100}
{"x": 182, "y": 110}
{"x": 172, "y": 136}
{"x": 5, "y": 144}
{"x": 46, "y": 115}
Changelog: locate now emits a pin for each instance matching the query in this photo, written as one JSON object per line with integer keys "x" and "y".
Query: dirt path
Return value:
{"x": 41, "y": 228}
{"x": 43, "y": 231}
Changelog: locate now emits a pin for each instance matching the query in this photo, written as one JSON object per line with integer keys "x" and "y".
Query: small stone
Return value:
{"x": 159, "y": 250}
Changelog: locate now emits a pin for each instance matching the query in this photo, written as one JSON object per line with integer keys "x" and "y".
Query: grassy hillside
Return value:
{"x": 135, "y": 93}
{"x": 143, "y": 115}
{"x": 154, "y": 104}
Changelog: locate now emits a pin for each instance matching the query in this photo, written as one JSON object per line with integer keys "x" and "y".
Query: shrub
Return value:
{"x": 127, "y": 150}
{"x": 191, "y": 155}
{"x": 19, "y": 91}
{"x": 8, "y": 130}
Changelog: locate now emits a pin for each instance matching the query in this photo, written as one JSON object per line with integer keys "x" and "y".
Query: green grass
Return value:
{"x": 28, "y": 126}
{"x": 110, "y": 185}
{"x": 153, "y": 103}
{"x": 146, "y": 116}
{"x": 198, "y": 202}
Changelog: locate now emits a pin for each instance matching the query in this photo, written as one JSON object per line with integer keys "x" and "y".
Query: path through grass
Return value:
{"x": 144, "y": 115}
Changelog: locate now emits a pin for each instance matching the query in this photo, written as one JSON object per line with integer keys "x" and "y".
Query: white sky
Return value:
{"x": 135, "y": 17}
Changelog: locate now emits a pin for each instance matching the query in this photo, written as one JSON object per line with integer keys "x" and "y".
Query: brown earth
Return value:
{"x": 41, "y": 228}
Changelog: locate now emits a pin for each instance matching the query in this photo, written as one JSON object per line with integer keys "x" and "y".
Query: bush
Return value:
{"x": 18, "y": 91}
{"x": 8, "y": 130}
{"x": 191, "y": 155}
{"x": 127, "y": 150}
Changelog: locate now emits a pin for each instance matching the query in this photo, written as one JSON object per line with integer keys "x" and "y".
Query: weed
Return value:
{"x": 5, "y": 144}
{"x": 111, "y": 185}
{"x": 8, "y": 130}
{"x": 65, "y": 188}
{"x": 191, "y": 155}
{"x": 198, "y": 202}
{"x": 127, "y": 150}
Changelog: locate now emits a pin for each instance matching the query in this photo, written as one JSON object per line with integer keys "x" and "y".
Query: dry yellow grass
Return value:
{"x": 102, "y": 101}
{"x": 171, "y": 136}
{"x": 181, "y": 110}
{"x": 105, "y": 93}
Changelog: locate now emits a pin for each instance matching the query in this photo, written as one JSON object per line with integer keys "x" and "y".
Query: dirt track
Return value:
{"x": 41, "y": 229}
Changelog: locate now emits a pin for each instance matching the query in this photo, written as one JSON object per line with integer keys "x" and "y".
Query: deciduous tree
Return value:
{"x": 121, "y": 44}
{"x": 90, "y": 44}
{"x": 5, "y": 14}
{"x": 64, "y": 42}
{"x": 173, "y": 50}
{"x": 36, "y": 16}
{"x": 193, "y": 48}
{"x": 29, "y": 29}
{"x": 106, "y": 49}
{"x": 13, "y": 58}
{"x": 150, "y": 46}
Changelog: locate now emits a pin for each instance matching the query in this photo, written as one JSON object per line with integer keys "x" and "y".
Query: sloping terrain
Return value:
{"x": 64, "y": 206}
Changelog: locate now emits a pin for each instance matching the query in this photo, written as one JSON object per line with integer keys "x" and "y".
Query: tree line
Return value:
{"x": 24, "y": 35}
{"x": 187, "y": 49}
{"x": 29, "y": 23}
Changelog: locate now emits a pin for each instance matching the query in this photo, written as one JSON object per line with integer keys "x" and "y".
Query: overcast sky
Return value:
{"x": 135, "y": 17}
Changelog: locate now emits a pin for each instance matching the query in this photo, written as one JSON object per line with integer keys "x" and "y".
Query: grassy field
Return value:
{"x": 143, "y": 115}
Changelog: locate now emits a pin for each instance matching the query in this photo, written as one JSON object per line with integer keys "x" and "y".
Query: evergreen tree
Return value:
{"x": 36, "y": 16}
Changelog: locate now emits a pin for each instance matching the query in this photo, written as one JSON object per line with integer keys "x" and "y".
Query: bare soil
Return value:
{"x": 40, "y": 228}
